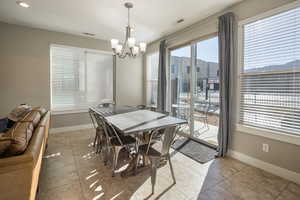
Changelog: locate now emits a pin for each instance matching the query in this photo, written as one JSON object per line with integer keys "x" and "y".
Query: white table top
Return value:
{"x": 142, "y": 120}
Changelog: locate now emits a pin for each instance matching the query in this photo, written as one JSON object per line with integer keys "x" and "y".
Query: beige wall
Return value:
{"x": 25, "y": 70}
{"x": 281, "y": 154}
{"x": 129, "y": 81}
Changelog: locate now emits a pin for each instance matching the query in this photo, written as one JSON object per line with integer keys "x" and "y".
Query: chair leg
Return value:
{"x": 206, "y": 123}
{"x": 99, "y": 144}
{"x": 106, "y": 152}
{"x": 146, "y": 160}
{"x": 95, "y": 140}
{"x": 136, "y": 163}
{"x": 115, "y": 160}
{"x": 172, "y": 170}
{"x": 96, "y": 143}
{"x": 153, "y": 173}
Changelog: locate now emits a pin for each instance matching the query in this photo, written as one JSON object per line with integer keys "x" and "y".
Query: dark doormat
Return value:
{"x": 195, "y": 150}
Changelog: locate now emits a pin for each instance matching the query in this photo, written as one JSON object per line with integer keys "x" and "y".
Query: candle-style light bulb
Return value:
{"x": 114, "y": 43}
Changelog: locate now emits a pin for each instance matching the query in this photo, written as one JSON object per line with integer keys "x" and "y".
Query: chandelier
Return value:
{"x": 129, "y": 47}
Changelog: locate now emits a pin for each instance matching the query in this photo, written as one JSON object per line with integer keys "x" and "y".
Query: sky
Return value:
{"x": 207, "y": 50}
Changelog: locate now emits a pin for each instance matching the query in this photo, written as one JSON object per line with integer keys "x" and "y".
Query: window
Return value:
{"x": 188, "y": 69}
{"x": 173, "y": 69}
{"x": 152, "y": 78}
{"x": 79, "y": 77}
{"x": 270, "y": 77}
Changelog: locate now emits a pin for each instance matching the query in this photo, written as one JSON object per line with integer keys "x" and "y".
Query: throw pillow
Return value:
{"x": 19, "y": 112}
{"x": 20, "y": 136}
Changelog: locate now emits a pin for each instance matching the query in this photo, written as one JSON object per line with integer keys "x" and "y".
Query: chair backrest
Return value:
{"x": 168, "y": 138}
{"x": 105, "y": 105}
{"x": 141, "y": 107}
{"x": 165, "y": 113}
{"x": 107, "y": 102}
{"x": 109, "y": 130}
{"x": 168, "y": 135}
{"x": 93, "y": 119}
{"x": 205, "y": 108}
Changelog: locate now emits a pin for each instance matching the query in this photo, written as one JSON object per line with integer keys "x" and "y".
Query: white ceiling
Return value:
{"x": 107, "y": 19}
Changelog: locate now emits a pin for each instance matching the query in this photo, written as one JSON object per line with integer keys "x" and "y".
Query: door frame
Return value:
{"x": 193, "y": 59}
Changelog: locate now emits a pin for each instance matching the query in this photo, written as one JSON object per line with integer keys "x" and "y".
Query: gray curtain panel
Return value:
{"x": 226, "y": 63}
{"x": 162, "y": 78}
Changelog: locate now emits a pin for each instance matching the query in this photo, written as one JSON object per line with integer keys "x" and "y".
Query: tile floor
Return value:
{"x": 72, "y": 171}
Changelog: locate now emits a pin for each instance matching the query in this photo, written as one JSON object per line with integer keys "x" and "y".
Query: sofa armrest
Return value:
{"x": 15, "y": 162}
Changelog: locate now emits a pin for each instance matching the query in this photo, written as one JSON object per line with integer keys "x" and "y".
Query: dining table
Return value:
{"x": 132, "y": 121}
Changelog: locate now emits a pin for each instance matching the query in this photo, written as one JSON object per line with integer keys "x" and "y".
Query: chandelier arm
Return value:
{"x": 122, "y": 55}
{"x": 124, "y": 47}
{"x": 126, "y": 39}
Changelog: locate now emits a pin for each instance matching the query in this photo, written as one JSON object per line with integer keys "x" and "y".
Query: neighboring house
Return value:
{"x": 207, "y": 74}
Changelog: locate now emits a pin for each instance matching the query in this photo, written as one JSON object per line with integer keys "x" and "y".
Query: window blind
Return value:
{"x": 270, "y": 79}
{"x": 79, "y": 78}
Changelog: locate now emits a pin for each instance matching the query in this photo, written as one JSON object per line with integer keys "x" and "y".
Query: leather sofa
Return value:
{"x": 19, "y": 174}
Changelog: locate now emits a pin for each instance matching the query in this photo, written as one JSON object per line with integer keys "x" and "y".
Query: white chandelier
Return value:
{"x": 129, "y": 48}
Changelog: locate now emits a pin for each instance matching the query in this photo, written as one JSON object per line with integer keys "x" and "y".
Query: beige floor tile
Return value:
{"x": 50, "y": 172}
{"x": 70, "y": 191}
{"x": 57, "y": 139}
{"x": 59, "y": 162}
{"x": 218, "y": 193}
{"x": 244, "y": 191}
{"x": 292, "y": 192}
{"x": 50, "y": 182}
{"x": 265, "y": 182}
{"x": 72, "y": 170}
{"x": 188, "y": 181}
{"x": 163, "y": 190}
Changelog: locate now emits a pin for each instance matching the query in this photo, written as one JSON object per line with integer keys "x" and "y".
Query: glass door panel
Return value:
{"x": 180, "y": 76}
{"x": 205, "y": 114}
{"x": 194, "y": 76}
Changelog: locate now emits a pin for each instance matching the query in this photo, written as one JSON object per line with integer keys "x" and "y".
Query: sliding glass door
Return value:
{"x": 180, "y": 73}
{"x": 206, "y": 91}
{"x": 194, "y": 76}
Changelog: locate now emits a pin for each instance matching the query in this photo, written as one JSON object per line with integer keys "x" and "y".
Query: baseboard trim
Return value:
{"x": 282, "y": 172}
{"x": 70, "y": 128}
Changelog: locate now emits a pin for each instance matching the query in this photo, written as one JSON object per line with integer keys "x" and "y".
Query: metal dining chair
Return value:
{"x": 145, "y": 107}
{"x": 98, "y": 140}
{"x": 141, "y": 106}
{"x": 115, "y": 142}
{"x": 107, "y": 102}
{"x": 203, "y": 115}
{"x": 156, "y": 156}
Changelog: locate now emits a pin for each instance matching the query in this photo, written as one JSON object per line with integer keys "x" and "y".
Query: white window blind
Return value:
{"x": 79, "y": 77}
{"x": 270, "y": 79}
{"x": 152, "y": 78}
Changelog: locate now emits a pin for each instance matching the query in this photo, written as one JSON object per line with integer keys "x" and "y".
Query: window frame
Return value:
{"x": 276, "y": 135}
{"x": 78, "y": 109}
